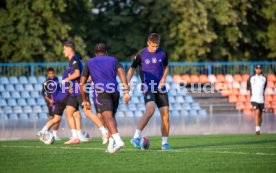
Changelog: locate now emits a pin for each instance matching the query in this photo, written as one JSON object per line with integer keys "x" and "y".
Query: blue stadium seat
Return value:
{"x": 193, "y": 113}
{"x": 132, "y": 107}
{"x": 31, "y": 102}
{"x": 189, "y": 99}
{"x": 29, "y": 87}
{"x": 17, "y": 109}
{"x": 41, "y": 79}
{"x": 25, "y": 94}
{"x": 184, "y": 113}
{"x": 35, "y": 94}
{"x": 32, "y": 80}
{"x": 13, "y": 116}
{"x": 33, "y": 116}
{"x": 43, "y": 116}
{"x": 2, "y": 88}
{"x": 37, "y": 109}
{"x": 179, "y": 99}
{"x": 19, "y": 87}
{"x": 177, "y": 106}
{"x": 3, "y": 102}
{"x": 23, "y": 116}
{"x": 23, "y": 80}
{"x": 171, "y": 99}
{"x": 141, "y": 107}
{"x": 202, "y": 112}
{"x": 138, "y": 113}
{"x": 15, "y": 95}
{"x": 187, "y": 106}
{"x": 7, "y": 109}
{"x": 9, "y": 87}
{"x": 135, "y": 100}
{"x": 169, "y": 79}
{"x": 123, "y": 107}
{"x": 41, "y": 101}
{"x": 13, "y": 80}
{"x": 4, "y": 80}
{"x": 27, "y": 109}
{"x": 174, "y": 113}
{"x": 195, "y": 106}
{"x": 120, "y": 114}
{"x": 21, "y": 102}
{"x": 129, "y": 114}
{"x": 38, "y": 87}
{"x": 12, "y": 102}
{"x": 45, "y": 109}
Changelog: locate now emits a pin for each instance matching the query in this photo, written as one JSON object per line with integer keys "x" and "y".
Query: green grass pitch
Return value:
{"x": 193, "y": 153}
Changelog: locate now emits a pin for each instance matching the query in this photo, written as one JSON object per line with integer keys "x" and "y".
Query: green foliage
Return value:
{"x": 191, "y": 30}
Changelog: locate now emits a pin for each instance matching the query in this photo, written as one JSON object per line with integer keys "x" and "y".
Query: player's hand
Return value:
{"x": 86, "y": 105}
{"x": 51, "y": 101}
{"x": 161, "y": 83}
{"x": 126, "y": 98}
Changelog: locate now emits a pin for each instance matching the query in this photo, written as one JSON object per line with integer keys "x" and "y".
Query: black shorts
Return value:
{"x": 160, "y": 99}
{"x": 51, "y": 110}
{"x": 60, "y": 106}
{"x": 74, "y": 101}
{"x": 107, "y": 102}
{"x": 256, "y": 105}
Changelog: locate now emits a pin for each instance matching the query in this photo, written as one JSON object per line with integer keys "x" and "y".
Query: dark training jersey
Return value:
{"x": 103, "y": 71}
{"x": 75, "y": 63}
{"x": 151, "y": 66}
{"x": 62, "y": 93}
{"x": 49, "y": 88}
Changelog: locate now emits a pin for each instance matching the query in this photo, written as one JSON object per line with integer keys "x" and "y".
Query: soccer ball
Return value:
{"x": 144, "y": 143}
{"x": 48, "y": 138}
{"x": 86, "y": 135}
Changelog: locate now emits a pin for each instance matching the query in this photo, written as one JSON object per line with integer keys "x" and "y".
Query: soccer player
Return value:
{"x": 103, "y": 70}
{"x": 48, "y": 96}
{"x": 153, "y": 67}
{"x": 257, "y": 84}
{"x": 75, "y": 99}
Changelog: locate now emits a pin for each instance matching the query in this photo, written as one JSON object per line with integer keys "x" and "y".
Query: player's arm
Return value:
{"x": 76, "y": 72}
{"x": 265, "y": 84}
{"x": 248, "y": 84}
{"x": 123, "y": 78}
{"x": 83, "y": 80}
{"x": 136, "y": 61}
{"x": 43, "y": 93}
{"x": 166, "y": 70}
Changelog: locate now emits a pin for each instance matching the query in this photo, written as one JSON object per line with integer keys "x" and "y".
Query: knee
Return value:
{"x": 149, "y": 112}
{"x": 56, "y": 119}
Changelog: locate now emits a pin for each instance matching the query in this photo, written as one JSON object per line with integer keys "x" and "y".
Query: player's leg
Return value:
{"x": 258, "y": 117}
{"x": 149, "y": 99}
{"x": 71, "y": 107}
{"x": 162, "y": 102}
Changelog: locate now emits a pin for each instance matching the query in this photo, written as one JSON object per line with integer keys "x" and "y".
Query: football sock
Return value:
{"x": 44, "y": 129}
{"x": 55, "y": 132}
{"x": 74, "y": 133}
{"x": 164, "y": 140}
{"x": 258, "y": 128}
{"x": 79, "y": 133}
{"x": 110, "y": 143}
{"x": 137, "y": 133}
{"x": 103, "y": 130}
{"x": 117, "y": 138}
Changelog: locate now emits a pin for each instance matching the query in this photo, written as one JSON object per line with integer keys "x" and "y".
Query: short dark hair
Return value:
{"x": 100, "y": 48}
{"x": 50, "y": 69}
{"x": 70, "y": 44}
{"x": 154, "y": 37}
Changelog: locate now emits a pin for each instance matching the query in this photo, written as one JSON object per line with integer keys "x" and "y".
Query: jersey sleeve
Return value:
{"x": 265, "y": 83}
{"x": 76, "y": 65}
{"x": 85, "y": 71}
{"x": 136, "y": 61}
{"x": 248, "y": 84}
{"x": 166, "y": 61}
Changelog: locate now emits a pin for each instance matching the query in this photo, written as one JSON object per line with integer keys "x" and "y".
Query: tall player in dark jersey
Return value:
{"x": 75, "y": 99}
{"x": 103, "y": 70}
{"x": 48, "y": 96}
{"x": 153, "y": 67}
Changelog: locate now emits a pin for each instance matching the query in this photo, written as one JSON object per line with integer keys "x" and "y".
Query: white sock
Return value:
{"x": 103, "y": 130}
{"x": 74, "y": 133}
{"x": 79, "y": 133}
{"x": 117, "y": 138}
{"x": 164, "y": 140}
{"x": 44, "y": 129}
{"x": 110, "y": 143}
{"x": 258, "y": 128}
{"x": 55, "y": 132}
{"x": 137, "y": 133}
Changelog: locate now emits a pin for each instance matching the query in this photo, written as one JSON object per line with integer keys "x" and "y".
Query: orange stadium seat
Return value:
{"x": 185, "y": 78}
{"x": 203, "y": 78}
{"x": 247, "y": 112}
{"x": 220, "y": 78}
{"x": 240, "y": 106}
{"x": 245, "y": 77}
{"x": 241, "y": 98}
{"x": 212, "y": 78}
{"x": 194, "y": 78}
{"x": 232, "y": 98}
{"x": 271, "y": 77}
{"x": 270, "y": 84}
{"x": 268, "y": 97}
{"x": 177, "y": 78}
{"x": 237, "y": 77}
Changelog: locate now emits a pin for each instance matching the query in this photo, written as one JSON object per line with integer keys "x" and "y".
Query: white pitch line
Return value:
{"x": 136, "y": 150}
